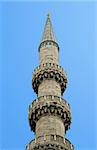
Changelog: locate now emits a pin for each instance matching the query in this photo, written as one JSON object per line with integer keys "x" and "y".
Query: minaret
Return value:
{"x": 49, "y": 114}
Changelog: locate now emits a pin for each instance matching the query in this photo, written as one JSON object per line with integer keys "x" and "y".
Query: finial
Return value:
{"x": 48, "y": 15}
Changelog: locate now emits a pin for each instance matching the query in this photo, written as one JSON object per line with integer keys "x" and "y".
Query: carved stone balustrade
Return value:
{"x": 49, "y": 71}
{"x": 49, "y": 105}
{"x": 54, "y": 144}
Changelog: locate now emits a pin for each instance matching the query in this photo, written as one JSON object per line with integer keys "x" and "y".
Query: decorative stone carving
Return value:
{"x": 49, "y": 71}
{"x": 48, "y": 42}
{"x": 48, "y": 106}
{"x": 53, "y": 144}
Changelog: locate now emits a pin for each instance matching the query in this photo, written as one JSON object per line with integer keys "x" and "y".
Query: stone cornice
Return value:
{"x": 49, "y": 42}
{"x": 54, "y": 144}
{"x": 49, "y": 71}
{"x": 49, "y": 105}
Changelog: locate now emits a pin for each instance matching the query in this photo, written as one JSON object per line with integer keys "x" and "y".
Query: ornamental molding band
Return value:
{"x": 49, "y": 114}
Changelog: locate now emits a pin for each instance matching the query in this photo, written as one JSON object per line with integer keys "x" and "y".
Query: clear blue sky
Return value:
{"x": 22, "y": 25}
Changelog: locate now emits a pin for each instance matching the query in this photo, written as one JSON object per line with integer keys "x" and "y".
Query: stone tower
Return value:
{"x": 49, "y": 114}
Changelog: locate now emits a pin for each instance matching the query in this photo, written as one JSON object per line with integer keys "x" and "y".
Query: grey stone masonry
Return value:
{"x": 49, "y": 114}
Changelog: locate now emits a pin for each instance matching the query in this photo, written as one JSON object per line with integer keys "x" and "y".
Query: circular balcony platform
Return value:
{"x": 49, "y": 71}
{"x": 53, "y": 144}
{"x": 49, "y": 105}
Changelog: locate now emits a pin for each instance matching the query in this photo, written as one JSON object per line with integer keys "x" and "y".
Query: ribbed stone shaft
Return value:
{"x": 50, "y": 125}
{"x": 49, "y": 87}
{"x": 49, "y": 114}
{"x": 48, "y": 52}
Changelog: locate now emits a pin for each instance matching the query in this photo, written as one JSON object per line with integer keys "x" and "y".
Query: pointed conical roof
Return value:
{"x": 48, "y": 31}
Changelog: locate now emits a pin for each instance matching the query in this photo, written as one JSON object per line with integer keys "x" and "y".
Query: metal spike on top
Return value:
{"x": 48, "y": 31}
{"x": 48, "y": 15}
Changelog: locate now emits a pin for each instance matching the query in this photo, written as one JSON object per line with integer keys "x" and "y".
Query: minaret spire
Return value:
{"x": 49, "y": 114}
{"x": 48, "y": 33}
